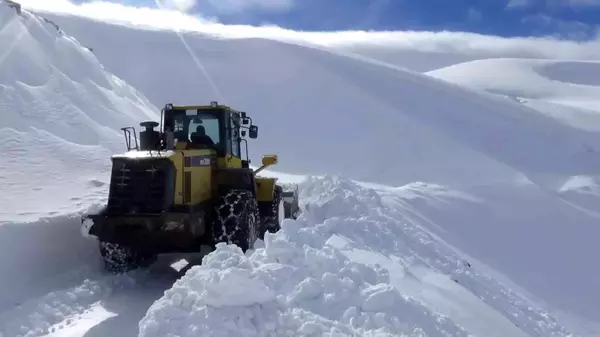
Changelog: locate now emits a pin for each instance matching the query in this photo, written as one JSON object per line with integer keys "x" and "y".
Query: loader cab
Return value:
{"x": 214, "y": 127}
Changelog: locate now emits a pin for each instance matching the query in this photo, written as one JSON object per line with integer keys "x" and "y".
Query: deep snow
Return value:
{"x": 479, "y": 215}
{"x": 323, "y": 112}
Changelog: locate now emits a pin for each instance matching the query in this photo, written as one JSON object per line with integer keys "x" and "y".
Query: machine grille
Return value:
{"x": 141, "y": 186}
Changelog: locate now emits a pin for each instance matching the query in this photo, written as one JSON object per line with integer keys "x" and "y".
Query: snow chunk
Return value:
{"x": 379, "y": 297}
{"x": 231, "y": 281}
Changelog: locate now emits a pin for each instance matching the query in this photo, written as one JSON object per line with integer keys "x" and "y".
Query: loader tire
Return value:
{"x": 271, "y": 222}
{"x": 120, "y": 259}
{"x": 292, "y": 207}
{"x": 236, "y": 219}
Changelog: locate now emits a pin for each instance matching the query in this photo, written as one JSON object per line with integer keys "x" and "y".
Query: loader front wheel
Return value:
{"x": 236, "y": 219}
{"x": 121, "y": 259}
{"x": 271, "y": 222}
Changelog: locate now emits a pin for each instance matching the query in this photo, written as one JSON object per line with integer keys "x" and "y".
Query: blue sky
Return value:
{"x": 572, "y": 19}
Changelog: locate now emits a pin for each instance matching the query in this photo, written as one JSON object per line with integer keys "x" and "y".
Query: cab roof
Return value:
{"x": 212, "y": 106}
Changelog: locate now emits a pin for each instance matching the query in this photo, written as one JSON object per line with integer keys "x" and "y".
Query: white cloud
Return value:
{"x": 447, "y": 42}
{"x": 512, "y": 4}
{"x": 179, "y": 5}
{"x": 237, "y": 6}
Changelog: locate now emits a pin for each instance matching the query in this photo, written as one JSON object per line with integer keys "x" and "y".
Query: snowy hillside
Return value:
{"x": 541, "y": 79}
{"x": 61, "y": 113}
{"x": 566, "y": 90}
{"x": 438, "y": 210}
{"x": 321, "y": 112}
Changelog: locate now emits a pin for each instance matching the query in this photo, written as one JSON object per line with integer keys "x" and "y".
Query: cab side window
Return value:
{"x": 234, "y": 123}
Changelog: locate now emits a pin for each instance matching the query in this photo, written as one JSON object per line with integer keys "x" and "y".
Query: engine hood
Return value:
{"x": 144, "y": 155}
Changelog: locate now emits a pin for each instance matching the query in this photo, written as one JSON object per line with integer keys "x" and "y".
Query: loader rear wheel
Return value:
{"x": 120, "y": 259}
{"x": 271, "y": 222}
{"x": 236, "y": 219}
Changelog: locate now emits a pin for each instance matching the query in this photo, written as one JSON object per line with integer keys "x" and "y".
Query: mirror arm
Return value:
{"x": 260, "y": 168}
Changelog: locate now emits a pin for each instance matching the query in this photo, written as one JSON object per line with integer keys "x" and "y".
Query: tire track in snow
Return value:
{"x": 37, "y": 316}
{"x": 101, "y": 306}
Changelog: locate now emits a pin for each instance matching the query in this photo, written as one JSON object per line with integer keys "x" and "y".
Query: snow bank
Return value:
{"x": 350, "y": 266}
{"x": 323, "y": 112}
{"x": 61, "y": 114}
{"x": 48, "y": 249}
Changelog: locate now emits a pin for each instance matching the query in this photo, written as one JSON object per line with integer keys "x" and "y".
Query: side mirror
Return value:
{"x": 268, "y": 160}
{"x": 253, "y": 131}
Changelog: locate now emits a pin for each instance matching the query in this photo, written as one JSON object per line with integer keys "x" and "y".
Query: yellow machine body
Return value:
{"x": 194, "y": 183}
{"x": 175, "y": 191}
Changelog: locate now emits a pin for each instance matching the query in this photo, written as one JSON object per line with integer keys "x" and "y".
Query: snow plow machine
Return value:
{"x": 186, "y": 186}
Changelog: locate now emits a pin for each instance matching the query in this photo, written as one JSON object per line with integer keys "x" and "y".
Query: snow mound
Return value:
{"x": 61, "y": 114}
{"x": 350, "y": 266}
{"x": 293, "y": 286}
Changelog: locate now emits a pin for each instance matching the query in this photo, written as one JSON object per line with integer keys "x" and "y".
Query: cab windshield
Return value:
{"x": 199, "y": 128}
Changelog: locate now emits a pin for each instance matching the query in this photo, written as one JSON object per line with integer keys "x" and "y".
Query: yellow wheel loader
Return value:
{"x": 187, "y": 185}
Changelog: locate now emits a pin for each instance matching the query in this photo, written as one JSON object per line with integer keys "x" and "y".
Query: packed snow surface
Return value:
{"x": 470, "y": 214}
